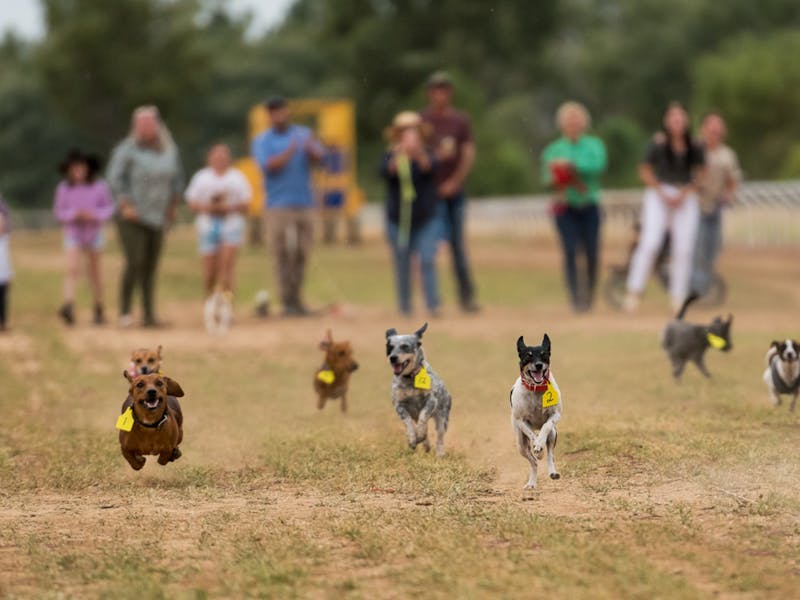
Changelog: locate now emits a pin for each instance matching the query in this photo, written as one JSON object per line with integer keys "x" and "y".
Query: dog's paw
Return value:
{"x": 538, "y": 452}
{"x": 176, "y": 454}
{"x": 426, "y": 444}
{"x": 531, "y": 485}
{"x": 412, "y": 444}
{"x": 555, "y": 476}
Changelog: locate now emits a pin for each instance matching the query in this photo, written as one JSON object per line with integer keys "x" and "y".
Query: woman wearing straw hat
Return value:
{"x": 408, "y": 168}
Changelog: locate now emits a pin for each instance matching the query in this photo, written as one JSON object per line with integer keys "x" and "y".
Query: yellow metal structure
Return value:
{"x": 334, "y": 123}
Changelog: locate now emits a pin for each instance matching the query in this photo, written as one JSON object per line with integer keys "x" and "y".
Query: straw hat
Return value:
{"x": 407, "y": 119}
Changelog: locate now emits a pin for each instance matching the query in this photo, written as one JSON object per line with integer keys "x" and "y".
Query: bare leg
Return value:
{"x": 210, "y": 268}
{"x": 227, "y": 264}
{"x": 72, "y": 258}
{"x": 95, "y": 275}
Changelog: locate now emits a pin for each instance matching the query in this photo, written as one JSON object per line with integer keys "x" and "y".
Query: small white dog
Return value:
{"x": 218, "y": 312}
{"x": 536, "y": 404}
{"x": 782, "y": 375}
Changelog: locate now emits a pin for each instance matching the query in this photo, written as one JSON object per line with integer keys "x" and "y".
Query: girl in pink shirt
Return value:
{"x": 83, "y": 204}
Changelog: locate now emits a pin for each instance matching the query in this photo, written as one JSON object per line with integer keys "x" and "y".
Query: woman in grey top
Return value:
{"x": 146, "y": 177}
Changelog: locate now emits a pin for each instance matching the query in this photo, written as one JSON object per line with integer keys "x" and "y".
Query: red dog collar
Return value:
{"x": 541, "y": 387}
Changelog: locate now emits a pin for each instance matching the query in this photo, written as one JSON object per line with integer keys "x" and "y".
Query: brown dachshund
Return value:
{"x": 144, "y": 361}
{"x": 151, "y": 420}
{"x": 332, "y": 379}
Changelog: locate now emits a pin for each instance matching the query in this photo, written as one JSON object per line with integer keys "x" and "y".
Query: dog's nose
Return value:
{"x": 538, "y": 366}
{"x": 144, "y": 370}
{"x": 392, "y": 359}
{"x": 151, "y": 393}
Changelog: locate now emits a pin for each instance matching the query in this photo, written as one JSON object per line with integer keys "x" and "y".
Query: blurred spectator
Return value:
{"x": 83, "y": 204}
{"x": 717, "y": 190}
{"x": 673, "y": 163}
{"x": 285, "y": 153}
{"x": 455, "y": 152}
{"x": 146, "y": 177}
{"x": 572, "y": 166}
{"x": 6, "y": 272}
{"x": 219, "y": 194}
{"x": 411, "y": 225}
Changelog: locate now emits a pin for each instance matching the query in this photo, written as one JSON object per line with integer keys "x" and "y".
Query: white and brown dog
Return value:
{"x": 536, "y": 405}
{"x": 782, "y": 375}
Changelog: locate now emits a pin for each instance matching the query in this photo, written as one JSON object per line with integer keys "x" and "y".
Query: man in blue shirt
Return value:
{"x": 285, "y": 153}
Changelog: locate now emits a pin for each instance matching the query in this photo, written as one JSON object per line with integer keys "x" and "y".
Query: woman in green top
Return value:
{"x": 146, "y": 177}
{"x": 571, "y": 167}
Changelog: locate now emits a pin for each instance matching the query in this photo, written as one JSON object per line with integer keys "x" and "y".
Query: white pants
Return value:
{"x": 682, "y": 223}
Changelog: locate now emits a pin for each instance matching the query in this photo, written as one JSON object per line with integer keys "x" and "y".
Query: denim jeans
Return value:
{"x": 450, "y": 216}
{"x": 579, "y": 229}
{"x": 709, "y": 243}
{"x": 423, "y": 241}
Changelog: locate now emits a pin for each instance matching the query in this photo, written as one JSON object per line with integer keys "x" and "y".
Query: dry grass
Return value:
{"x": 668, "y": 491}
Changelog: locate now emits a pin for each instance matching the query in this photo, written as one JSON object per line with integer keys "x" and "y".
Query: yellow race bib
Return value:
{"x": 550, "y": 396}
{"x": 715, "y": 341}
{"x": 125, "y": 420}
{"x": 326, "y": 376}
{"x": 422, "y": 381}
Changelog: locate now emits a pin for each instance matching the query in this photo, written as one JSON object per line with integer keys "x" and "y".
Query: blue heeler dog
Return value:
{"x": 536, "y": 404}
{"x": 417, "y": 392}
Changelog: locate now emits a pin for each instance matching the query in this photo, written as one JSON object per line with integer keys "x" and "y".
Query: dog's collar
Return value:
{"x": 156, "y": 425}
{"x": 535, "y": 387}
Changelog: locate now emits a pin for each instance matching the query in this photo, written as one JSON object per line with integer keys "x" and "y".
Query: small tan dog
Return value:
{"x": 332, "y": 379}
{"x": 144, "y": 361}
{"x": 151, "y": 420}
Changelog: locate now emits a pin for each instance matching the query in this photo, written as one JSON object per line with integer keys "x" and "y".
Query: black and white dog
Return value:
{"x": 684, "y": 342}
{"x": 783, "y": 371}
{"x": 417, "y": 392}
{"x": 536, "y": 405}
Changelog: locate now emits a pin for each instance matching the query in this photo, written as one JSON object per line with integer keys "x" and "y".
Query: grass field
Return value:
{"x": 667, "y": 491}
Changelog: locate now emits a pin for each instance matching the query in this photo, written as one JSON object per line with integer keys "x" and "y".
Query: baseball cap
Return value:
{"x": 275, "y": 102}
{"x": 439, "y": 79}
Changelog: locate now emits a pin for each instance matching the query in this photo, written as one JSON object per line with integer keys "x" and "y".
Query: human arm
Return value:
{"x": 178, "y": 183}
{"x": 450, "y": 186}
{"x": 118, "y": 176}
{"x": 63, "y": 210}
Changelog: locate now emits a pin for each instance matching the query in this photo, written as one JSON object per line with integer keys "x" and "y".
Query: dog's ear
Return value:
{"x": 127, "y": 376}
{"x": 158, "y": 352}
{"x": 730, "y": 318}
{"x": 421, "y": 330}
{"x": 521, "y": 346}
{"x": 326, "y": 343}
{"x": 173, "y": 387}
{"x": 391, "y": 332}
{"x": 546, "y": 343}
{"x": 775, "y": 344}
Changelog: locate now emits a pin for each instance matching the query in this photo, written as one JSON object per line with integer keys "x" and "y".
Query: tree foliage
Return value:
{"x": 513, "y": 61}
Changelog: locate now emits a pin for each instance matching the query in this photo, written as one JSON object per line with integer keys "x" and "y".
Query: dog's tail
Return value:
{"x": 692, "y": 297}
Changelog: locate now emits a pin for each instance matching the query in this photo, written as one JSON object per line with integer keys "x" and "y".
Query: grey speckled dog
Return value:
{"x": 417, "y": 392}
{"x": 684, "y": 342}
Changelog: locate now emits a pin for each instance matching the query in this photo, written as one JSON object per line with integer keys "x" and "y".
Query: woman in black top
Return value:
{"x": 672, "y": 164}
{"x": 408, "y": 168}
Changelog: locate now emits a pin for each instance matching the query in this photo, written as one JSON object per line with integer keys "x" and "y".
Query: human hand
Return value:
{"x": 128, "y": 211}
{"x": 448, "y": 188}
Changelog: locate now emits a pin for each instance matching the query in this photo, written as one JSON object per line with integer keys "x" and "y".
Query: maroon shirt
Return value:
{"x": 451, "y": 131}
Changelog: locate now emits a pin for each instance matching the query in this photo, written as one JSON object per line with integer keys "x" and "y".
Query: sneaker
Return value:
{"x": 66, "y": 313}
{"x": 126, "y": 321}
{"x": 631, "y": 302}
{"x": 99, "y": 317}
{"x": 470, "y": 306}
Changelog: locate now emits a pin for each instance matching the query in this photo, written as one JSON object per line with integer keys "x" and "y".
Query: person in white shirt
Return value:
{"x": 219, "y": 195}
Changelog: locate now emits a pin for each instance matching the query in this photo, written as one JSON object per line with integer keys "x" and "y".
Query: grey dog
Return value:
{"x": 417, "y": 392}
{"x": 684, "y": 342}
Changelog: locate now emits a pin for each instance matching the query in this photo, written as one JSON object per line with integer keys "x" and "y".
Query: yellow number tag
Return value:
{"x": 125, "y": 420}
{"x": 326, "y": 377}
{"x": 550, "y": 397}
{"x": 422, "y": 381}
{"x": 715, "y": 341}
